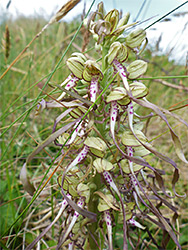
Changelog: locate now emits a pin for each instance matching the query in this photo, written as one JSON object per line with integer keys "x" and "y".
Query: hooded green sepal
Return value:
{"x": 138, "y": 90}
{"x": 91, "y": 69}
{"x": 119, "y": 94}
{"x": 116, "y": 94}
{"x": 77, "y": 112}
{"x": 128, "y": 139}
{"x": 102, "y": 165}
{"x": 113, "y": 18}
{"x": 118, "y": 51}
{"x": 106, "y": 202}
{"x": 129, "y": 207}
{"x": 126, "y": 169}
{"x": 96, "y": 145}
{"x": 70, "y": 184}
{"x": 135, "y": 38}
{"x": 76, "y": 64}
{"x": 136, "y": 69}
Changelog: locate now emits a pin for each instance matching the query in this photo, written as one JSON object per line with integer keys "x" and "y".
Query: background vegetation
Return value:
{"x": 22, "y": 84}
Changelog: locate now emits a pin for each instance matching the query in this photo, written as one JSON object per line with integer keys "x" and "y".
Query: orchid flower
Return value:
{"x": 92, "y": 74}
{"x": 107, "y": 181}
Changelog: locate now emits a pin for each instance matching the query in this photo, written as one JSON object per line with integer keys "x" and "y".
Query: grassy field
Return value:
{"x": 19, "y": 89}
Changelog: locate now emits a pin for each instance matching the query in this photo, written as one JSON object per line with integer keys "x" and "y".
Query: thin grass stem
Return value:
{"x": 170, "y": 12}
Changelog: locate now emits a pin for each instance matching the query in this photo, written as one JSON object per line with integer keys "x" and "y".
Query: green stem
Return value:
{"x": 104, "y": 53}
{"x": 170, "y": 12}
{"x": 52, "y": 205}
{"x": 161, "y": 77}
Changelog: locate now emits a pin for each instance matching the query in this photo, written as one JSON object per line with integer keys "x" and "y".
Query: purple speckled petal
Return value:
{"x": 109, "y": 180}
{"x": 79, "y": 157}
{"x": 93, "y": 89}
{"x": 119, "y": 67}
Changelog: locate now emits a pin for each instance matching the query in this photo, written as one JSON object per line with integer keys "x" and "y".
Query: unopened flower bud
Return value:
{"x": 124, "y": 20}
{"x": 113, "y": 18}
{"x": 100, "y": 8}
{"x": 101, "y": 27}
{"x": 135, "y": 38}
{"x": 76, "y": 64}
{"x": 91, "y": 70}
{"x": 118, "y": 51}
{"x": 136, "y": 69}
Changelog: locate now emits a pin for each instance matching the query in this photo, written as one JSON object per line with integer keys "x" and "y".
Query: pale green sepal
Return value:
{"x": 136, "y": 69}
{"x": 96, "y": 143}
{"x": 128, "y": 138}
{"x": 126, "y": 169}
{"x": 135, "y": 38}
{"x": 102, "y": 165}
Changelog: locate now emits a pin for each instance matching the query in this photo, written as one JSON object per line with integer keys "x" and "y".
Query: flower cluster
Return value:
{"x": 106, "y": 181}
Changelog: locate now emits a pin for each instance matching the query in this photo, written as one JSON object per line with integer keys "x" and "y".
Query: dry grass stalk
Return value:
{"x": 85, "y": 32}
{"x": 180, "y": 87}
{"x": 6, "y": 42}
{"x": 64, "y": 10}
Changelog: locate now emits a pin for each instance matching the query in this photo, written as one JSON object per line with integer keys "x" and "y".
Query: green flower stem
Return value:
{"x": 104, "y": 53}
{"x": 162, "y": 77}
{"x": 101, "y": 126}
